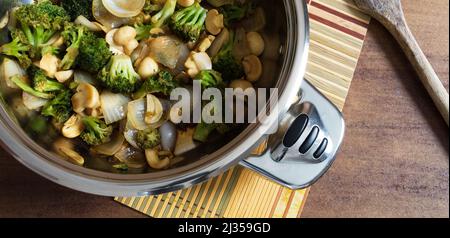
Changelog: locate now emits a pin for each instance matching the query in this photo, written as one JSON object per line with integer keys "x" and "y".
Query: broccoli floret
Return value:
{"x": 160, "y": 18}
{"x": 72, "y": 35}
{"x": 203, "y": 130}
{"x": 148, "y": 139}
{"x": 142, "y": 31}
{"x": 21, "y": 83}
{"x": 42, "y": 83}
{"x": 119, "y": 75}
{"x": 18, "y": 48}
{"x": 210, "y": 79}
{"x": 50, "y": 49}
{"x": 233, "y": 13}
{"x": 60, "y": 107}
{"x": 94, "y": 53}
{"x": 152, "y": 6}
{"x": 226, "y": 63}
{"x": 188, "y": 23}
{"x": 37, "y": 125}
{"x": 39, "y": 23}
{"x": 77, "y": 8}
{"x": 162, "y": 83}
{"x": 96, "y": 131}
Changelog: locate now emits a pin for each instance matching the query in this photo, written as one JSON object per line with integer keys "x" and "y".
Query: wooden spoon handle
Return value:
{"x": 400, "y": 30}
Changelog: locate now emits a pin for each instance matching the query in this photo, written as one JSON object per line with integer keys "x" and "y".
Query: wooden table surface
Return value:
{"x": 394, "y": 161}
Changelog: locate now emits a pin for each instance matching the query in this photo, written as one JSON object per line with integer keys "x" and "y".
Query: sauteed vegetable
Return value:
{"x": 91, "y": 80}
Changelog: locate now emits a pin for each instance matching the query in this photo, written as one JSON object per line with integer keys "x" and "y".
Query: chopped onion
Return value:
{"x": 132, "y": 157}
{"x": 124, "y": 8}
{"x": 130, "y": 135}
{"x": 136, "y": 114}
{"x": 111, "y": 147}
{"x": 114, "y": 106}
{"x": 102, "y": 15}
{"x": 4, "y": 20}
{"x": 83, "y": 77}
{"x": 182, "y": 57}
{"x": 32, "y": 102}
{"x": 81, "y": 20}
{"x": 10, "y": 68}
{"x": 165, "y": 50}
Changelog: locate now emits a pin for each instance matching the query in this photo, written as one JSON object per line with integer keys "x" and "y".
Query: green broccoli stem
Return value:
{"x": 166, "y": 12}
{"x": 142, "y": 31}
{"x": 69, "y": 59}
{"x": 203, "y": 130}
{"x": 72, "y": 51}
{"x": 18, "y": 50}
{"x": 49, "y": 86}
{"x": 26, "y": 88}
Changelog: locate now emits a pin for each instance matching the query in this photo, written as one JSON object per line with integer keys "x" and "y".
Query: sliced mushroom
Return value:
{"x": 64, "y": 76}
{"x": 204, "y": 45}
{"x": 214, "y": 22}
{"x": 86, "y": 97}
{"x": 185, "y": 3}
{"x": 153, "y": 159}
{"x": 130, "y": 47}
{"x": 148, "y": 67}
{"x": 49, "y": 63}
{"x": 65, "y": 148}
{"x": 113, "y": 47}
{"x": 196, "y": 62}
{"x": 253, "y": 68}
{"x": 124, "y": 34}
{"x": 255, "y": 43}
{"x": 176, "y": 115}
{"x": 73, "y": 127}
{"x": 154, "y": 111}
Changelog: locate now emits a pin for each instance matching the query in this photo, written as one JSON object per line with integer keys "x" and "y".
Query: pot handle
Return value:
{"x": 306, "y": 143}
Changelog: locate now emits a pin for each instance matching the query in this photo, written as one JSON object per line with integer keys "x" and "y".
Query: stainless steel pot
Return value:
{"x": 304, "y": 147}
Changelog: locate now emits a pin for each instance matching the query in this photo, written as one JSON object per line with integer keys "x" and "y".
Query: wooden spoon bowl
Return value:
{"x": 390, "y": 14}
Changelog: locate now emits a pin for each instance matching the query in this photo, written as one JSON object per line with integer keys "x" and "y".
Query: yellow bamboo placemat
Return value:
{"x": 337, "y": 36}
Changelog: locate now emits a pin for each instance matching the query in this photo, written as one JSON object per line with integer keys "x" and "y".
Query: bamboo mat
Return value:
{"x": 337, "y": 36}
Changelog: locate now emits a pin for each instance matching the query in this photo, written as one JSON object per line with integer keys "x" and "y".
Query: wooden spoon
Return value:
{"x": 390, "y": 14}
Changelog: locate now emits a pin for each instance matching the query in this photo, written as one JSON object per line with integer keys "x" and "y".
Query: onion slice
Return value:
{"x": 83, "y": 77}
{"x": 136, "y": 114}
{"x": 32, "y": 102}
{"x": 114, "y": 106}
{"x": 81, "y": 20}
{"x": 111, "y": 147}
{"x": 132, "y": 157}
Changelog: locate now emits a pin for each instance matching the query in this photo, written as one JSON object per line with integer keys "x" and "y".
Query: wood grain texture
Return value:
{"x": 394, "y": 162}
{"x": 390, "y": 14}
{"x": 395, "y": 158}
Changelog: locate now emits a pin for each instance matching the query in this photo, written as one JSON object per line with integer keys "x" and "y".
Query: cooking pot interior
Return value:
{"x": 275, "y": 36}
